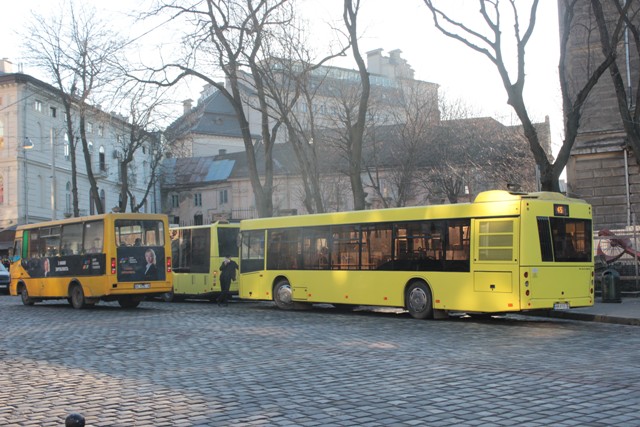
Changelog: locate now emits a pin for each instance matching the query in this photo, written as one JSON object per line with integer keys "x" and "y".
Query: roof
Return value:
{"x": 196, "y": 170}
{"x": 215, "y": 115}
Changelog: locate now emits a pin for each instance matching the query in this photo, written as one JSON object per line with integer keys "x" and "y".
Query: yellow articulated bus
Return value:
{"x": 198, "y": 252}
{"x": 116, "y": 256}
{"x": 505, "y": 252}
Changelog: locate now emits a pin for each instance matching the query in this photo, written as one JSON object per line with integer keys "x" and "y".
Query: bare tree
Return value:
{"x": 292, "y": 78}
{"x": 228, "y": 37}
{"x": 356, "y": 125}
{"x": 397, "y": 143}
{"x": 143, "y": 104}
{"x": 489, "y": 42}
{"x": 75, "y": 48}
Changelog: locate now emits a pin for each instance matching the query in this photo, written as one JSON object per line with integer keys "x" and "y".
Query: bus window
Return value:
{"x": 71, "y": 241}
{"x": 93, "y": 233}
{"x": 571, "y": 239}
{"x": 345, "y": 250}
{"x": 376, "y": 246}
{"x": 228, "y": 241}
{"x": 200, "y": 250}
{"x": 252, "y": 251}
{"x": 284, "y": 249}
{"x": 315, "y": 248}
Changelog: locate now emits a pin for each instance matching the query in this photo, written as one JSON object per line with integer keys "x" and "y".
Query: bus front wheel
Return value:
{"x": 282, "y": 295}
{"x": 418, "y": 301}
{"x": 24, "y": 295}
{"x": 77, "y": 297}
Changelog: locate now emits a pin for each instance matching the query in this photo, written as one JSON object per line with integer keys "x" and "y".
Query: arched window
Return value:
{"x": 1, "y": 134}
{"x": 66, "y": 146}
{"x": 103, "y": 200}
{"x": 67, "y": 198}
{"x": 102, "y": 159}
{"x": 41, "y": 192}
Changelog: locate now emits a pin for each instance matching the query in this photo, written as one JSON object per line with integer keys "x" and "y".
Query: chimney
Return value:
{"x": 186, "y": 105}
{"x": 6, "y": 66}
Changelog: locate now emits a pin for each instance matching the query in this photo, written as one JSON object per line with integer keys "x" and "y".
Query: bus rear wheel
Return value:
{"x": 24, "y": 295}
{"x": 168, "y": 297}
{"x": 77, "y": 297}
{"x": 282, "y": 295}
{"x": 418, "y": 301}
{"x": 128, "y": 302}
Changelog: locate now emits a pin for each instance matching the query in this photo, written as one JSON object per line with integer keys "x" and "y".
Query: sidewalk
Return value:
{"x": 626, "y": 312}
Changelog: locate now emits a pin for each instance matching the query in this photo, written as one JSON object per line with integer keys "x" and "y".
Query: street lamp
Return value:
{"x": 27, "y": 144}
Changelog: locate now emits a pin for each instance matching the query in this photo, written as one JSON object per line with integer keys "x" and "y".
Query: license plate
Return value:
{"x": 142, "y": 286}
{"x": 561, "y": 306}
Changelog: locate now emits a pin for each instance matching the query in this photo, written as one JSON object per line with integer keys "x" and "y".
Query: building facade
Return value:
{"x": 208, "y": 134}
{"x": 35, "y": 164}
{"x": 602, "y": 168}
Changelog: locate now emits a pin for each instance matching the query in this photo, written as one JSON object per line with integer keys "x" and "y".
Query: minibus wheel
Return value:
{"x": 282, "y": 295}
{"x": 77, "y": 296}
{"x": 24, "y": 295}
{"x": 418, "y": 300}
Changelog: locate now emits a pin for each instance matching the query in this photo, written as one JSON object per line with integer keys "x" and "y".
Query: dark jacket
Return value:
{"x": 228, "y": 270}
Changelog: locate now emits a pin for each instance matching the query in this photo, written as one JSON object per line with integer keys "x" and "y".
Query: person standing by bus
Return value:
{"x": 227, "y": 274}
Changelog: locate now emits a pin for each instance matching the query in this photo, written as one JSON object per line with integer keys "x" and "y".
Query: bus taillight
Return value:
{"x": 168, "y": 264}
{"x": 113, "y": 266}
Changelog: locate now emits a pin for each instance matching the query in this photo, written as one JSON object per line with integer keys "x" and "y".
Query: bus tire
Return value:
{"x": 77, "y": 297}
{"x": 168, "y": 297}
{"x": 418, "y": 300}
{"x": 128, "y": 302}
{"x": 24, "y": 296}
{"x": 282, "y": 295}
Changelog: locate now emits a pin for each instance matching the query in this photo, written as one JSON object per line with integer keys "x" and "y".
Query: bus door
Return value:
{"x": 495, "y": 264}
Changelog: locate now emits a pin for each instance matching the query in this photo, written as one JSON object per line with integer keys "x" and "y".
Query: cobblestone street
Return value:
{"x": 189, "y": 364}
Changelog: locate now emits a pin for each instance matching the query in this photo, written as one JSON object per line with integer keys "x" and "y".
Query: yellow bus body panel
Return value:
{"x": 520, "y": 281}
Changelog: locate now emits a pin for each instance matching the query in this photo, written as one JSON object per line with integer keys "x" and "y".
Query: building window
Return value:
{"x": 1, "y": 134}
{"x": 67, "y": 199}
{"x": 1, "y": 190}
{"x": 197, "y": 219}
{"x": 100, "y": 130}
{"x": 66, "y": 146}
{"x": 175, "y": 201}
{"x": 37, "y": 105}
{"x": 89, "y": 127}
{"x": 102, "y": 159}
{"x": 66, "y": 117}
{"x": 224, "y": 197}
{"x": 90, "y": 145}
{"x": 197, "y": 199}
{"x": 53, "y": 112}
{"x": 103, "y": 200}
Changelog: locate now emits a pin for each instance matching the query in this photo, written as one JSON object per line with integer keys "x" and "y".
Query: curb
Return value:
{"x": 587, "y": 317}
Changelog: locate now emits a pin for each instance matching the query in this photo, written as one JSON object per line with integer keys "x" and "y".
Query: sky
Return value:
{"x": 400, "y": 24}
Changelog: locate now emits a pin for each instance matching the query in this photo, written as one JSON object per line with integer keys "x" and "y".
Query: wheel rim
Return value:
{"x": 284, "y": 294}
{"x": 24, "y": 295}
{"x": 418, "y": 300}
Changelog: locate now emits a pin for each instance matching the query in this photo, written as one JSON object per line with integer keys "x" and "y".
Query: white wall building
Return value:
{"x": 35, "y": 166}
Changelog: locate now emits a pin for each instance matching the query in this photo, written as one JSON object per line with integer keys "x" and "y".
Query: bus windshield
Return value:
{"x": 565, "y": 239}
{"x": 139, "y": 232}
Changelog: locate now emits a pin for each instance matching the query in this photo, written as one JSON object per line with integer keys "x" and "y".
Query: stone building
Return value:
{"x": 602, "y": 168}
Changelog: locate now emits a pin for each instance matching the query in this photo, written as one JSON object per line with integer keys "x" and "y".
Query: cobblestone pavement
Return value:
{"x": 196, "y": 364}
